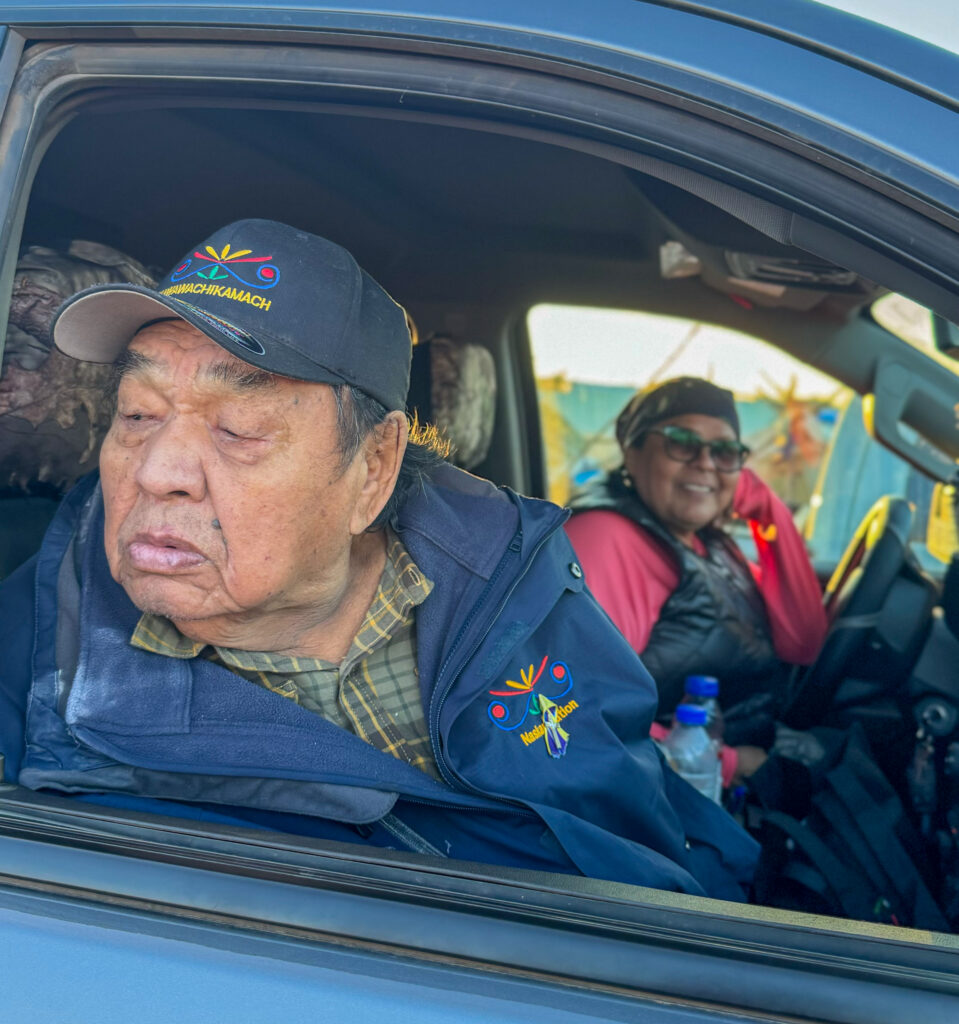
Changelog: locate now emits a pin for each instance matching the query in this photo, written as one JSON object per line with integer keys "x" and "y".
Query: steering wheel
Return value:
{"x": 853, "y": 599}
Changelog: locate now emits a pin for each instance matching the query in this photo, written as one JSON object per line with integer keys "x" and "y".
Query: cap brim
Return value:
{"x": 97, "y": 324}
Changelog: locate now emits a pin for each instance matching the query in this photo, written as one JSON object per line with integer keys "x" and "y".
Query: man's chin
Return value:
{"x": 171, "y": 598}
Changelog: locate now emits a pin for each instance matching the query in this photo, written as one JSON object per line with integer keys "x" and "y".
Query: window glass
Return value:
{"x": 589, "y": 361}
{"x": 916, "y": 325}
{"x": 805, "y": 429}
{"x": 906, "y": 319}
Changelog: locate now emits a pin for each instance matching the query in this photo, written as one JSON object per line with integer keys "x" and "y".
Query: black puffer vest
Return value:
{"x": 714, "y": 623}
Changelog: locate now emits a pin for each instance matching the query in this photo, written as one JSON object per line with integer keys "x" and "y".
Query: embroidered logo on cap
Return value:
{"x": 220, "y": 266}
{"x": 511, "y": 716}
{"x": 210, "y": 269}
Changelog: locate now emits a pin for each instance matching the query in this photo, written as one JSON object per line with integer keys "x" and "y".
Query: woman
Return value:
{"x": 657, "y": 558}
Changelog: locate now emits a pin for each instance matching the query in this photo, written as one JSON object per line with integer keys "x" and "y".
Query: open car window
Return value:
{"x": 590, "y": 362}
{"x": 806, "y": 431}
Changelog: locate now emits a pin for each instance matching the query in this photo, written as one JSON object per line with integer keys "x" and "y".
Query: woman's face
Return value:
{"x": 684, "y": 496}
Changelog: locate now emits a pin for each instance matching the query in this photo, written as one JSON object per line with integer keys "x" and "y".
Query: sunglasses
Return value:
{"x": 684, "y": 445}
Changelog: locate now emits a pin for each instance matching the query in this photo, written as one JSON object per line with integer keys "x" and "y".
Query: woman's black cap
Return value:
{"x": 675, "y": 397}
{"x": 283, "y": 300}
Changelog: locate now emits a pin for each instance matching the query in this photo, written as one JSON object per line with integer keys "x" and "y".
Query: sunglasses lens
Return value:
{"x": 685, "y": 445}
{"x": 682, "y": 445}
{"x": 727, "y": 455}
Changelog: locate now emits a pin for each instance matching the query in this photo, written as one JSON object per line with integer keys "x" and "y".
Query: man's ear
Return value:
{"x": 382, "y": 456}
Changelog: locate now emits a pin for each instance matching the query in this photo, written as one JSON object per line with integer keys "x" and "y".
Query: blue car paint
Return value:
{"x": 859, "y": 118}
{"x": 913, "y": 63}
{"x": 117, "y": 971}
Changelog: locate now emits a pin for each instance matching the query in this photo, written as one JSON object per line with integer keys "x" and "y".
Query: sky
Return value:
{"x": 603, "y": 346}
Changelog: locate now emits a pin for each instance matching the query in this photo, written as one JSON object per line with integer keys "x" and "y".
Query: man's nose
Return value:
{"x": 171, "y": 465}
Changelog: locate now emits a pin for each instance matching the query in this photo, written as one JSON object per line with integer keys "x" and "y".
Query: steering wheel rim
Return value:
{"x": 853, "y": 599}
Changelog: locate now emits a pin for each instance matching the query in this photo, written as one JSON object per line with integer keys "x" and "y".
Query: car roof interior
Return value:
{"x": 467, "y": 228}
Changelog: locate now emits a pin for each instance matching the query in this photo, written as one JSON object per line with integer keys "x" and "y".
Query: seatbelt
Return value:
{"x": 875, "y": 818}
{"x": 845, "y": 886}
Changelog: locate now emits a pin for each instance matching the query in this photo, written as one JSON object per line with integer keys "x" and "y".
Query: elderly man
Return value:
{"x": 275, "y": 608}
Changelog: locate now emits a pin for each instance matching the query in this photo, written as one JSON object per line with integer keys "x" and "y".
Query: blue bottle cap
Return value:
{"x": 702, "y": 686}
{"x": 691, "y": 714}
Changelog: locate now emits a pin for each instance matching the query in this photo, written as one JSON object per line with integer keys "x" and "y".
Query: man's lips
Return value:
{"x": 162, "y": 552}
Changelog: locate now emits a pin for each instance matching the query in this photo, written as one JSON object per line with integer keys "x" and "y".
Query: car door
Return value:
{"x": 109, "y": 913}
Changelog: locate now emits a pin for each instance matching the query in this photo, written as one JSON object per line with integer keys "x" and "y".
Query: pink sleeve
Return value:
{"x": 729, "y": 762}
{"x": 658, "y": 732}
{"x": 628, "y": 572}
{"x": 784, "y": 575}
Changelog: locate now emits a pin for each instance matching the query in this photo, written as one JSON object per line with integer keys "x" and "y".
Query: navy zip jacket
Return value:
{"x": 511, "y": 649}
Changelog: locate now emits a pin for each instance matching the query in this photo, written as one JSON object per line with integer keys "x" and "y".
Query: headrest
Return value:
{"x": 453, "y": 386}
{"x": 53, "y": 413}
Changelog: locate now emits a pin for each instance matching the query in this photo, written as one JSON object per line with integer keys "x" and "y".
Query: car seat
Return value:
{"x": 54, "y": 410}
{"x": 453, "y": 387}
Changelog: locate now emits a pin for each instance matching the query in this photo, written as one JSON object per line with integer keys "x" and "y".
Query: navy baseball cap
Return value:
{"x": 278, "y": 298}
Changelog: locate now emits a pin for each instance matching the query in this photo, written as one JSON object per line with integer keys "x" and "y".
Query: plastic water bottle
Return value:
{"x": 704, "y": 691}
{"x": 692, "y": 753}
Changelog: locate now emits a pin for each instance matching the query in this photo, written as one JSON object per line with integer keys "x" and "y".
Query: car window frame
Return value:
{"x": 519, "y": 924}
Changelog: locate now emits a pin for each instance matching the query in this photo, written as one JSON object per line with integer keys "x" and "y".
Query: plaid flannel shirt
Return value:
{"x": 374, "y": 692}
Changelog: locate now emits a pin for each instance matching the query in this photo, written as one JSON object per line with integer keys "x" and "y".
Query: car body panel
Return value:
{"x": 533, "y": 937}
{"x": 914, "y": 48}
{"x": 854, "y": 116}
{"x": 113, "y": 965}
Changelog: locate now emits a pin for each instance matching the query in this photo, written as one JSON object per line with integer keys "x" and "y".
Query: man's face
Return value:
{"x": 223, "y": 486}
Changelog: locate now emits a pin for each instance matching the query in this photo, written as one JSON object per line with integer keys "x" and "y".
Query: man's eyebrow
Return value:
{"x": 130, "y": 361}
{"x": 231, "y": 374}
{"x": 238, "y": 376}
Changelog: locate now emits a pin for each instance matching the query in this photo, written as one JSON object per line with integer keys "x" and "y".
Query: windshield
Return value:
{"x": 917, "y": 325}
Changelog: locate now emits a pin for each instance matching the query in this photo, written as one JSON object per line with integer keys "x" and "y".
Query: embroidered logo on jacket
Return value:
{"x": 536, "y": 697}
